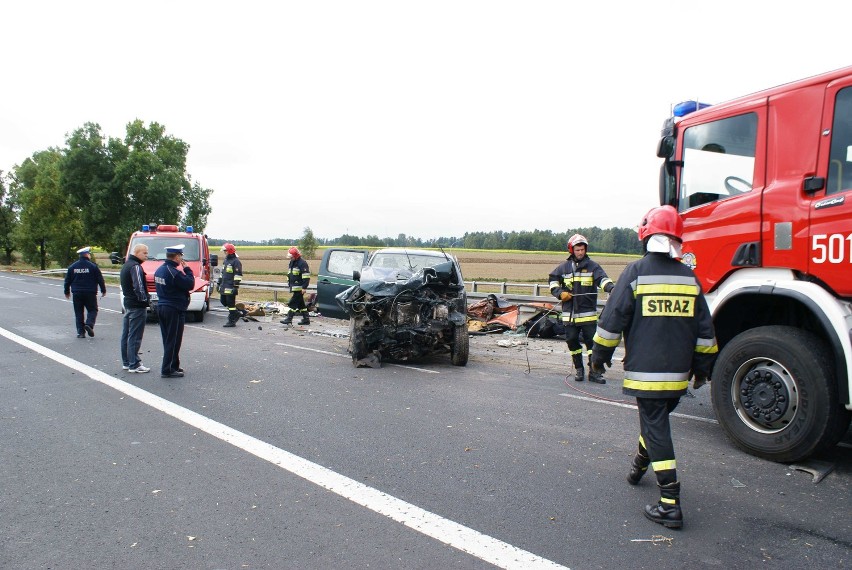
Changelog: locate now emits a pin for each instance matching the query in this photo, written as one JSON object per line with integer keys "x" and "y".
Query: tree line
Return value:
{"x": 97, "y": 190}
{"x": 608, "y": 240}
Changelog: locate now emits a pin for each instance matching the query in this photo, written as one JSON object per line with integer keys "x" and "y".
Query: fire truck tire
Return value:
{"x": 775, "y": 395}
{"x": 198, "y": 316}
{"x": 461, "y": 346}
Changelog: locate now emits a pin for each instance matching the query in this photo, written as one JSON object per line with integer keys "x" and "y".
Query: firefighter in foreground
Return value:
{"x": 83, "y": 279}
{"x": 660, "y": 309}
{"x": 229, "y": 283}
{"x": 298, "y": 278}
{"x": 575, "y": 282}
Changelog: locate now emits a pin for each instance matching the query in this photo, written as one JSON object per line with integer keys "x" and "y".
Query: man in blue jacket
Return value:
{"x": 83, "y": 280}
{"x": 174, "y": 281}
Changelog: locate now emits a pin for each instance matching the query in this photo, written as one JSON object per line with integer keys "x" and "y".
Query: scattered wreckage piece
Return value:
{"x": 400, "y": 314}
{"x": 494, "y": 314}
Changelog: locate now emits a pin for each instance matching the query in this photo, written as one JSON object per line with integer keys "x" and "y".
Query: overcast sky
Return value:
{"x": 430, "y": 118}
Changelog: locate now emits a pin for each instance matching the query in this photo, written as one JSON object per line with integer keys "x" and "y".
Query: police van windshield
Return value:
{"x": 157, "y": 247}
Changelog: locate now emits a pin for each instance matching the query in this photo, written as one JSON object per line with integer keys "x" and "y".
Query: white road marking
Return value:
{"x": 19, "y": 291}
{"x": 484, "y": 547}
{"x": 347, "y": 356}
{"x": 633, "y": 407}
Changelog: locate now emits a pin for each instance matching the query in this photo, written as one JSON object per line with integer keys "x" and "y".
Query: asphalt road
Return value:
{"x": 275, "y": 452}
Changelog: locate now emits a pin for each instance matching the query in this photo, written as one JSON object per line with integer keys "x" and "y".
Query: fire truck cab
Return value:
{"x": 196, "y": 255}
{"x": 761, "y": 183}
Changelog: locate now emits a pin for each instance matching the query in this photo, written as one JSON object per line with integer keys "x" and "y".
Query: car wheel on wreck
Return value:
{"x": 357, "y": 342}
{"x": 461, "y": 346}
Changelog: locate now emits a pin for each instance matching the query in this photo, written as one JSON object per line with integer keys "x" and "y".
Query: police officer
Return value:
{"x": 83, "y": 279}
{"x": 668, "y": 333}
{"x": 575, "y": 282}
{"x": 298, "y": 278}
{"x": 229, "y": 284}
{"x": 174, "y": 281}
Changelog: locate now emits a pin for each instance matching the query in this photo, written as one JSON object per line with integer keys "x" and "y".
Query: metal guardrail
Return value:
{"x": 512, "y": 292}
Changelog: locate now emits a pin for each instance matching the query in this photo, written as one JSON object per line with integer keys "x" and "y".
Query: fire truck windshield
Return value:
{"x": 157, "y": 246}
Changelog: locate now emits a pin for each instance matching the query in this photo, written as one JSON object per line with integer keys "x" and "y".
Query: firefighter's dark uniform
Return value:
{"x": 82, "y": 281}
{"x": 173, "y": 290}
{"x": 298, "y": 278}
{"x": 668, "y": 333}
{"x": 229, "y": 287}
{"x": 579, "y": 313}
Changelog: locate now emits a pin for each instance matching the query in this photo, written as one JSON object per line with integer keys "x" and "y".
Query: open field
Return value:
{"x": 269, "y": 264}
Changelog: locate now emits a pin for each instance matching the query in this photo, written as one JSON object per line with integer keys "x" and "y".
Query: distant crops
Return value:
{"x": 269, "y": 263}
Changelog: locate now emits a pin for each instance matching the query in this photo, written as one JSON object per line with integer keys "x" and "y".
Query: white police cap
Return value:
{"x": 84, "y": 250}
{"x": 175, "y": 248}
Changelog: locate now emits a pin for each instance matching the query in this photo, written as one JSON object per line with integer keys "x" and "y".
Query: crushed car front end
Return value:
{"x": 399, "y": 315}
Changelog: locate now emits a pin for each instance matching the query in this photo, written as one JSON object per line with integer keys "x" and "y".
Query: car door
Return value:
{"x": 335, "y": 276}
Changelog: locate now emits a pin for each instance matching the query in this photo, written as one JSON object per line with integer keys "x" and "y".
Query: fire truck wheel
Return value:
{"x": 461, "y": 346}
{"x": 198, "y": 316}
{"x": 775, "y": 396}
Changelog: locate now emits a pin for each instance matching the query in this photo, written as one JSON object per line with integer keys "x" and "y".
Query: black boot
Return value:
{"x": 305, "y": 320}
{"x": 595, "y": 377}
{"x": 580, "y": 372}
{"x": 638, "y": 469}
{"x": 230, "y": 323}
{"x": 667, "y": 512}
{"x": 288, "y": 320}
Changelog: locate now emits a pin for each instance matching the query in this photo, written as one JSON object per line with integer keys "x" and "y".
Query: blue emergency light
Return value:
{"x": 146, "y": 228}
{"x": 189, "y": 229}
{"x": 684, "y": 108}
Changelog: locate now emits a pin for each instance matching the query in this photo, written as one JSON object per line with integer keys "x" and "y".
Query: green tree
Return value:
{"x": 8, "y": 220}
{"x": 118, "y": 185}
{"x": 152, "y": 176}
{"x": 87, "y": 176}
{"x": 308, "y": 244}
{"x": 50, "y": 226}
{"x": 197, "y": 207}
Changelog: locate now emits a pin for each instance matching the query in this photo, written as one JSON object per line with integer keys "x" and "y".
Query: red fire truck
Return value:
{"x": 761, "y": 183}
{"x": 196, "y": 255}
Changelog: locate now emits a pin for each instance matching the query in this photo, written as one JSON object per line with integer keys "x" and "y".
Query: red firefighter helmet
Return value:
{"x": 576, "y": 239}
{"x": 294, "y": 253}
{"x": 229, "y": 248}
{"x": 661, "y": 220}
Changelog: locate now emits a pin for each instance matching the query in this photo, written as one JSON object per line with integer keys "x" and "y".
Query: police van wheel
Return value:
{"x": 774, "y": 394}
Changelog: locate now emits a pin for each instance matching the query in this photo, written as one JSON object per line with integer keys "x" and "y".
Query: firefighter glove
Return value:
{"x": 565, "y": 296}
{"x": 699, "y": 381}
{"x": 600, "y": 366}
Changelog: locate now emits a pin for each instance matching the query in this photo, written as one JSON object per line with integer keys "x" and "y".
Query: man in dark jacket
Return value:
{"x": 174, "y": 281}
{"x": 575, "y": 282}
{"x": 298, "y": 277}
{"x": 659, "y": 307}
{"x": 229, "y": 284}
{"x": 83, "y": 280}
{"x": 134, "y": 291}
